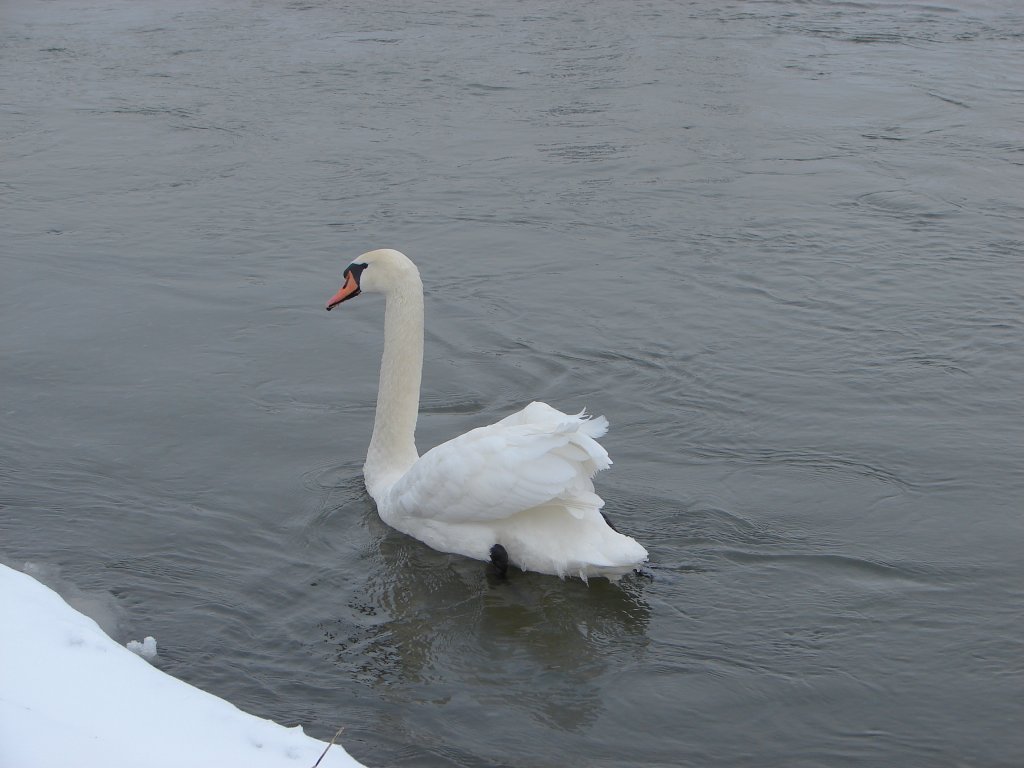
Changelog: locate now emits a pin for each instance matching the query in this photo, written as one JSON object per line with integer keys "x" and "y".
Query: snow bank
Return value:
{"x": 71, "y": 696}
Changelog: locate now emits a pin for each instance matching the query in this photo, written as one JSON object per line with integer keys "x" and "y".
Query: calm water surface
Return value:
{"x": 778, "y": 244}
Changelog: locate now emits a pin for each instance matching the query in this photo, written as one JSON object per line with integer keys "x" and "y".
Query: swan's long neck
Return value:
{"x": 393, "y": 445}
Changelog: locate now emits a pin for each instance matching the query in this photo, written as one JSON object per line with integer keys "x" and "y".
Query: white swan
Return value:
{"x": 516, "y": 492}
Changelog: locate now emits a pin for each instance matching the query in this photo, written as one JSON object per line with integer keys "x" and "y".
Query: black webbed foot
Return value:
{"x": 499, "y": 559}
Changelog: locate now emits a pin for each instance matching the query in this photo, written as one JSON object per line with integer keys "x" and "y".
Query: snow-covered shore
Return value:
{"x": 71, "y": 696}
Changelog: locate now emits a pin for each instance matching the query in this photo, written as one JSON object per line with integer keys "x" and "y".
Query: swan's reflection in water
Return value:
{"x": 430, "y": 628}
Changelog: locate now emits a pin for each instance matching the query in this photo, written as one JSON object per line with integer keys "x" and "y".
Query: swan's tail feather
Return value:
{"x": 566, "y": 539}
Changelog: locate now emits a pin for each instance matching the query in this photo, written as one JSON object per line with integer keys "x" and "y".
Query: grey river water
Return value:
{"x": 779, "y": 244}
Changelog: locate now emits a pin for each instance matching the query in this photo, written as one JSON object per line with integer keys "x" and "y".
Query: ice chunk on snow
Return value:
{"x": 146, "y": 649}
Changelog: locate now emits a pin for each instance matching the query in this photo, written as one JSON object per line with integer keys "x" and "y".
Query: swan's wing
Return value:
{"x": 527, "y": 459}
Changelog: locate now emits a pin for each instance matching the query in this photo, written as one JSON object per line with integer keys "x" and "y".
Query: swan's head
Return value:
{"x": 378, "y": 271}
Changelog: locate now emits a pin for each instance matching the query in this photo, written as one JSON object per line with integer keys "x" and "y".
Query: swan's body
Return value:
{"x": 522, "y": 485}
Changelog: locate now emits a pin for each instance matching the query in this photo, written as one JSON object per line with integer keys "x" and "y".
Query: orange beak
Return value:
{"x": 347, "y": 291}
